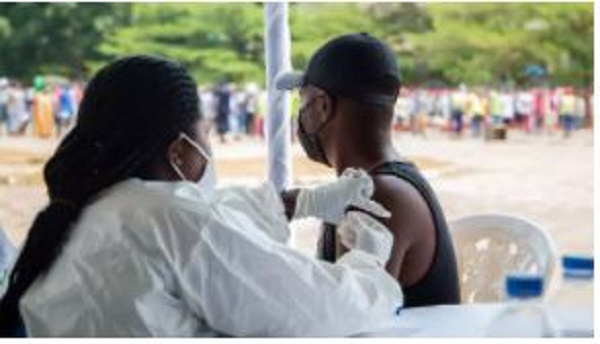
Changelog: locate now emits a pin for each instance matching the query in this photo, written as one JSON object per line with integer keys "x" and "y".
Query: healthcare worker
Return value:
{"x": 134, "y": 243}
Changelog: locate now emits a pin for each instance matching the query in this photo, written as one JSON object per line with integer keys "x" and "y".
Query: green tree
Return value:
{"x": 311, "y": 25}
{"x": 394, "y": 24}
{"x": 493, "y": 43}
{"x": 314, "y": 24}
{"x": 212, "y": 40}
{"x": 487, "y": 43}
{"x": 53, "y": 38}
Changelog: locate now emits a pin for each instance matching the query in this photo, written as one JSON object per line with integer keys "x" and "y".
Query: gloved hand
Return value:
{"x": 362, "y": 232}
{"x": 329, "y": 201}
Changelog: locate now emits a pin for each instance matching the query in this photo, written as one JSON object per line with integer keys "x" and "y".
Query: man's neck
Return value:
{"x": 364, "y": 156}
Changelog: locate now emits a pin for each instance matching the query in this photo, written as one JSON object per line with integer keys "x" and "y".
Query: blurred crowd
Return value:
{"x": 477, "y": 110}
{"x": 48, "y": 108}
{"x": 45, "y": 109}
{"x": 235, "y": 110}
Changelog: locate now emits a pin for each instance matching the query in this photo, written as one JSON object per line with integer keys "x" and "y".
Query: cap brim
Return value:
{"x": 289, "y": 81}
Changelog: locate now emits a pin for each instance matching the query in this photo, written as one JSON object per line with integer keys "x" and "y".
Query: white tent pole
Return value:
{"x": 277, "y": 52}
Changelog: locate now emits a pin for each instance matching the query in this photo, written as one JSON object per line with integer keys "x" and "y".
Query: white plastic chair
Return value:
{"x": 488, "y": 246}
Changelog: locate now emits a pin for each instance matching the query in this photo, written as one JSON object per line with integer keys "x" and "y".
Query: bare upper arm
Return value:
{"x": 411, "y": 225}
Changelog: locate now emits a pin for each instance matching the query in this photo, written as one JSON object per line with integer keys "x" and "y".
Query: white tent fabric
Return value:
{"x": 277, "y": 52}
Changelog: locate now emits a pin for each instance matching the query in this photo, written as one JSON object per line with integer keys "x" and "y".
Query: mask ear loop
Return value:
{"x": 201, "y": 151}
{"x": 199, "y": 148}
{"x": 177, "y": 170}
{"x": 322, "y": 125}
{"x": 328, "y": 120}
{"x": 174, "y": 165}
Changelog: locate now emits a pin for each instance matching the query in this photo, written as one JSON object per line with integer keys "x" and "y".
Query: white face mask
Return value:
{"x": 208, "y": 180}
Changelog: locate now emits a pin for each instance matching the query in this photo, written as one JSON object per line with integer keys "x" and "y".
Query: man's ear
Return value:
{"x": 325, "y": 107}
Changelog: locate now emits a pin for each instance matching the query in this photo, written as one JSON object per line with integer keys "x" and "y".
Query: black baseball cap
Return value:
{"x": 357, "y": 66}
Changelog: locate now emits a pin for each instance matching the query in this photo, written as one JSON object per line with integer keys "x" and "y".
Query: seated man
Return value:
{"x": 348, "y": 93}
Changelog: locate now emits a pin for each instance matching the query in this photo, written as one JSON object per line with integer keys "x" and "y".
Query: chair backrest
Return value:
{"x": 488, "y": 246}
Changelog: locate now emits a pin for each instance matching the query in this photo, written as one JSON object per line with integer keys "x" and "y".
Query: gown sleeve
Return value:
{"x": 244, "y": 281}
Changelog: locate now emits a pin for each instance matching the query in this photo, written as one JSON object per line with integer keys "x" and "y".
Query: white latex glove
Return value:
{"x": 329, "y": 201}
{"x": 362, "y": 232}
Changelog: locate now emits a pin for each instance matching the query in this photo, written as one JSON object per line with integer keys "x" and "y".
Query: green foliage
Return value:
{"x": 483, "y": 43}
{"x": 311, "y": 25}
{"x": 53, "y": 38}
{"x": 212, "y": 40}
{"x": 492, "y": 43}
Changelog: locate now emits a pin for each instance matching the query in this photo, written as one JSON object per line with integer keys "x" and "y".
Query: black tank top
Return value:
{"x": 440, "y": 283}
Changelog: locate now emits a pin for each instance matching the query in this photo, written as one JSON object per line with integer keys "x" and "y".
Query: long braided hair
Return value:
{"x": 131, "y": 110}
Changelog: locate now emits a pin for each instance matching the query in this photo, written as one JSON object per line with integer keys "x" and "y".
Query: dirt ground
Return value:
{"x": 548, "y": 180}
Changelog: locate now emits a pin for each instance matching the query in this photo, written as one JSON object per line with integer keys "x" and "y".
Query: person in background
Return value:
{"x": 251, "y": 108}
{"x": 445, "y": 108}
{"x": 66, "y": 109}
{"x": 29, "y": 100}
{"x": 77, "y": 93}
{"x": 402, "y": 109}
{"x": 486, "y": 108}
{"x": 18, "y": 117}
{"x": 294, "y": 107}
{"x": 495, "y": 108}
{"x": 237, "y": 112}
{"x": 8, "y": 254}
{"x": 507, "y": 101}
{"x": 223, "y": 99}
{"x": 549, "y": 112}
{"x": 524, "y": 102}
{"x": 459, "y": 106}
{"x": 423, "y": 113}
{"x": 262, "y": 114}
{"x": 208, "y": 105}
{"x": 567, "y": 111}
{"x": 579, "y": 109}
{"x": 43, "y": 112}
{"x": 538, "y": 109}
{"x": 476, "y": 113}
{"x": 3, "y": 102}
{"x": 591, "y": 102}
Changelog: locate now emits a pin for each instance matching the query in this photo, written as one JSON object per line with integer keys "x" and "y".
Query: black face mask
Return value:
{"x": 311, "y": 142}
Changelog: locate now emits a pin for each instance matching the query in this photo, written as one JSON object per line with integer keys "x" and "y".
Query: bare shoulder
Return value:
{"x": 411, "y": 219}
{"x": 400, "y": 197}
{"x": 412, "y": 226}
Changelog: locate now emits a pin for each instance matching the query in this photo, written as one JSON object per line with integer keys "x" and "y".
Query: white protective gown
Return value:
{"x": 157, "y": 259}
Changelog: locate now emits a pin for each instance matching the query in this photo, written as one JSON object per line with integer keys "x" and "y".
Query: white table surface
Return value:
{"x": 467, "y": 320}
